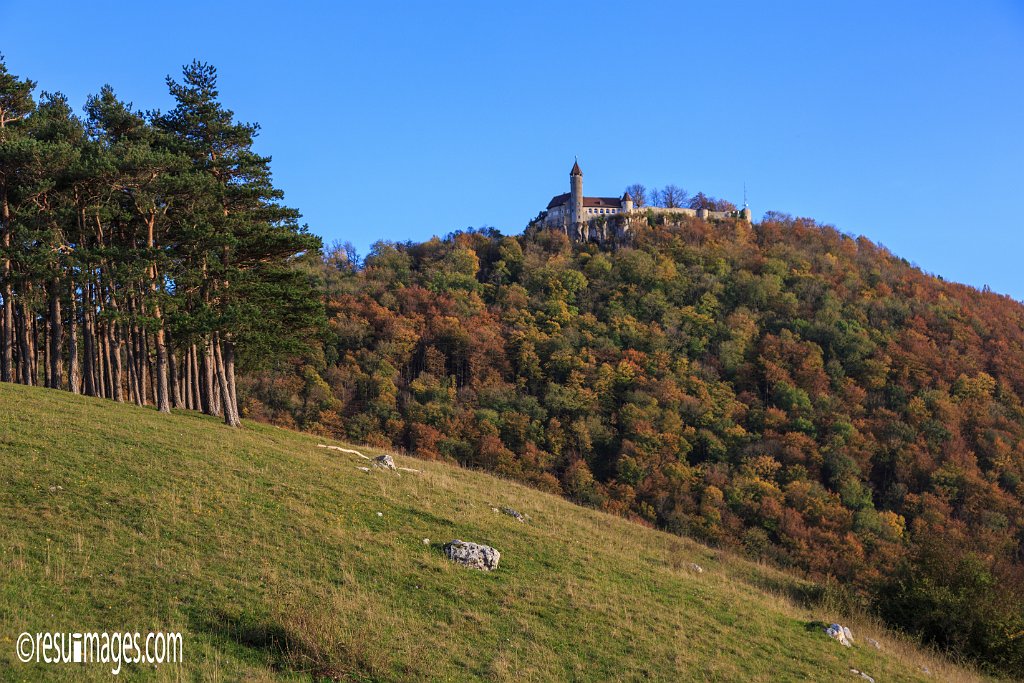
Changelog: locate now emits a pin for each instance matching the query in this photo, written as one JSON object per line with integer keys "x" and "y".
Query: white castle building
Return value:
{"x": 576, "y": 213}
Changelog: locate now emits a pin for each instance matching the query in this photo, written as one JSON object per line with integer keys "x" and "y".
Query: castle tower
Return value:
{"x": 575, "y": 195}
{"x": 627, "y": 202}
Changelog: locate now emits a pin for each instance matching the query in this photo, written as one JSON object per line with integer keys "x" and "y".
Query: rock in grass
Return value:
{"x": 513, "y": 513}
{"x": 862, "y": 675}
{"x": 696, "y": 568}
{"x": 840, "y": 633}
{"x": 385, "y": 462}
{"x": 472, "y": 555}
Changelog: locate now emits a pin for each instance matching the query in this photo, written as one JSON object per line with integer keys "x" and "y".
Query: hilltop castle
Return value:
{"x": 598, "y": 218}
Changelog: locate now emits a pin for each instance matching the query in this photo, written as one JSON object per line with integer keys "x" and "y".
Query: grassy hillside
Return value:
{"x": 268, "y": 553}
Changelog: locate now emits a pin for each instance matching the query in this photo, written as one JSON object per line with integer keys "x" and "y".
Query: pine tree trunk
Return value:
{"x": 105, "y": 367}
{"x": 210, "y": 398}
{"x": 74, "y": 378}
{"x": 89, "y": 366}
{"x": 172, "y": 373}
{"x": 186, "y": 393}
{"x": 150, "y": 380}
{"x": 44, "y": 343}
{"x": 7, "y": 337}
{"x": 229, "y": 370}
{"x": 116, "y": 369}
{"x": 230, "y": 410}
{"x": 32, "y": 334}
{"x": 25, "y": 355}
{"x": 197, "y": 394}
{"x": 134, "y": 378}
{"x": 197, "y": 382}
{"x": 56, "y": 338}
{"x": 7, "y": 326}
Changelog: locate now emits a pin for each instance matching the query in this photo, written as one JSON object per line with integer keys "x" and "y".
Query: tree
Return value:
{"x": 703, "y": 201}
{"x": 639, "y": 194}
{"x": 242, "y": 241}
{"x": 670, "y": 197}
{"x": 15, "y": 104}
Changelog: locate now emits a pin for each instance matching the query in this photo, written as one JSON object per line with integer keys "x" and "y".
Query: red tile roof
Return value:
{"x": 558, "y": 200}
{"x": 612, "y": 202}
{"x": 602, "y": 202}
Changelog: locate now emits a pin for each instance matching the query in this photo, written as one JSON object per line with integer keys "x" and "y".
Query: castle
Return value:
{"x": 598, "y": 219}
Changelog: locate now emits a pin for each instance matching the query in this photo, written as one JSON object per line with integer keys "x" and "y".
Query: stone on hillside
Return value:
{"x": 862, "y": 675}
{"x": 385, "y": 462}
{"x": 694, "y": 567}
{"x": 874, "y": 643}
{"x": 472, "y": 555}
{"x": 839, "y": 633}
{"x": 512, "y": 513}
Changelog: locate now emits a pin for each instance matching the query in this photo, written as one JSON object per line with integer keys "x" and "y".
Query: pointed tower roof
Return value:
{"x": 576, "y": 169}
{"x": 626, "y": 197}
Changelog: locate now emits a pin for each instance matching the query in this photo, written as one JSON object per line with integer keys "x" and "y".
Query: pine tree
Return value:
{"x": 16, "y": 103}
{"x": 241, "y": 240}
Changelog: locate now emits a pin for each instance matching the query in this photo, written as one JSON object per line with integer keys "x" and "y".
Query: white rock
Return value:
{"x": 426, "y": 541}
{"x": 862, "y": 675}
{"x": 380, "y": 514}
{"x": 694, "y": 567}
{"x": 512, "y": 513}
{"x": 874, "y": 643}
{"x": 385, "y": 462}
{"x": 837, "y": 632}
{"x": 472, "y": 555}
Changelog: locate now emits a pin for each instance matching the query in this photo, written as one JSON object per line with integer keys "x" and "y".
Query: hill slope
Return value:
{"x": 781, "y": 389}
{"x": 268, "y": 553}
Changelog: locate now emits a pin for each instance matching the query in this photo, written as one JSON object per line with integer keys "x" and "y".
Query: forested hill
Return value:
{"x": 782, "y": 388}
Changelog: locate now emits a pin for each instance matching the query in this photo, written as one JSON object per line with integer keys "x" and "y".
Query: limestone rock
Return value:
{"x": 874, "y": 643}
{"x": 862, "y": 675}
{"x": 840, "y": 633}
{"x": 472, "y": 555}
{"x": 385, "y": 462}
{"x": 513, "y": 513}
{"x": 696, "y": 568}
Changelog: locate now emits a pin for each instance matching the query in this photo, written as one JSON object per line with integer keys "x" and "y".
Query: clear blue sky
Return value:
{"x": 900, "y": 121}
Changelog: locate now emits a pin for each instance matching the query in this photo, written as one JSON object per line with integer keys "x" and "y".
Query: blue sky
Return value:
{"x": 901, "y": 121}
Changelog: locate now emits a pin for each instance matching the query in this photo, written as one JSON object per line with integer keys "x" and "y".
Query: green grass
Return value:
{"x": 267, "y": 553}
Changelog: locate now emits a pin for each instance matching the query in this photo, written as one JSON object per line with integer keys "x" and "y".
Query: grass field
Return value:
{"x": 269, "y": 555}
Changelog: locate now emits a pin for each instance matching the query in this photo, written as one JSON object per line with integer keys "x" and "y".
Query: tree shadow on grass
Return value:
{"x": 802, "y": 593}
{"x": 279, "y": 647}
{"x": 815, "y": 626}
